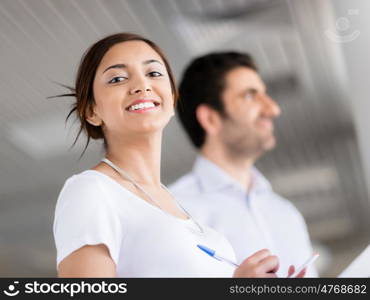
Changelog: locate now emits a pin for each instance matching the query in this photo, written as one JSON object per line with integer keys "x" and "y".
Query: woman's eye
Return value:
{"x": 155, "y": 74}
{"x": 117, "y": 79}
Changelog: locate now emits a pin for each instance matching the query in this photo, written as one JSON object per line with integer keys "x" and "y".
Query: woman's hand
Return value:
{"x": 292, "y": 270}
{"x": 259, "y": 265}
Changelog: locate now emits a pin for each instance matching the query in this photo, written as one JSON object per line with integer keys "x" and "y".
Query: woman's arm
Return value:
{"x": 88, "y": 261}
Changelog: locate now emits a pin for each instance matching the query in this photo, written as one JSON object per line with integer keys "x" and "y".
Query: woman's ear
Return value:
{"x": 209, "y": 119}
{"x": 173, "y": 112}
{"x": 174, "y": 107}
{"x": 92, "y": 117}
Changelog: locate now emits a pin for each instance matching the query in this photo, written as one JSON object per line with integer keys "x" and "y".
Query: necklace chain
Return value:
{"x": 127, "y": 176}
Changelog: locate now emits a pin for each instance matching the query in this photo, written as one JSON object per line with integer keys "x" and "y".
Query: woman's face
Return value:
{"x": 132, "y": 91}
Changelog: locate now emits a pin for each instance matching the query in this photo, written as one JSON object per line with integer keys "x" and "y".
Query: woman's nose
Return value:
{"x": 140, "y": 86}
{"x": 138, "y": 90}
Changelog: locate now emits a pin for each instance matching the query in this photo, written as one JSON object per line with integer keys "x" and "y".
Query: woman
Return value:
{"x": 117, "y": 219}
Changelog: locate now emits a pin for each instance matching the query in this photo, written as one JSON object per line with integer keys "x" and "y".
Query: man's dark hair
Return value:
{"x": 203, "y": 82}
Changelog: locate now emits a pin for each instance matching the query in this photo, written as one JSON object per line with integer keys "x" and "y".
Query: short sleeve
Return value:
{"x": 84, "y": 216}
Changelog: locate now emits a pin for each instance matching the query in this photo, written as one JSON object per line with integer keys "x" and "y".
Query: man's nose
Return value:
{"x": 271, "y": 108}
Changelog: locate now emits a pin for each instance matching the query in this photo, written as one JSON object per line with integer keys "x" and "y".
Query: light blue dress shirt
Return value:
{"x": 250, "y": 221}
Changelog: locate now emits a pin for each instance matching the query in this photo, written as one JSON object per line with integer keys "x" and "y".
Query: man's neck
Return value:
{"x": 237, "y": 168}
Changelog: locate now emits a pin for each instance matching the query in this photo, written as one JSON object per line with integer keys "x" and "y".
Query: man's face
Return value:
{"x": 247, "y": 129}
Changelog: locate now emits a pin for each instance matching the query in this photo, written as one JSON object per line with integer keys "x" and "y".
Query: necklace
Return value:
{"x": 129, "y": 178}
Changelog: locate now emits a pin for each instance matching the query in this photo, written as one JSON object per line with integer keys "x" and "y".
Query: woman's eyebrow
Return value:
{"x": 149, "y": 61}
{"x": 116, "y": 66}
{"x": 123, "y": 66}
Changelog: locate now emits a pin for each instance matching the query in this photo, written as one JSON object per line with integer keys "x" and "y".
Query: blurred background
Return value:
{"x": 313, "y": 56}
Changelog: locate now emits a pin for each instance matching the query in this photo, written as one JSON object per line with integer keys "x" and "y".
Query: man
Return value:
{"x": 228, "y": 116}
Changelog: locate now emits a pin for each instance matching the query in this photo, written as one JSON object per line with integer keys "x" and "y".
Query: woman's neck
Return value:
{"x": 140, "y": 158}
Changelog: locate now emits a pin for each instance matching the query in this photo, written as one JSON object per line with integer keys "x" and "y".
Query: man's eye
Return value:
{"x": 154, "y": 74}
{"x": 117, "y": 79}
{"x": 249, "y": 96}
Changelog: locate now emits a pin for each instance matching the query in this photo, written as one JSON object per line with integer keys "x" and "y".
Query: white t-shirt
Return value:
{"x": 143, "y": 241}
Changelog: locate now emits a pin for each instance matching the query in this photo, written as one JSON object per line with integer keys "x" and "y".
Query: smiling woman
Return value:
{"x": 117, "y": 219}
{"x": 83, "y": 90}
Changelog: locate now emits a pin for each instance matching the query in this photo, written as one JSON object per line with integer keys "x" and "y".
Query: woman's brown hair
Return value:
{"x": 83, "y": 90}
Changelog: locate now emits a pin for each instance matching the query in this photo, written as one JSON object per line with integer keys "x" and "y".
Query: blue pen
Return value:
{"x": 213, "y": 254}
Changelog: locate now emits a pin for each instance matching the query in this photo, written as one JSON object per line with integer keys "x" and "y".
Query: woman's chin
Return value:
{"x": 154, "y": 126}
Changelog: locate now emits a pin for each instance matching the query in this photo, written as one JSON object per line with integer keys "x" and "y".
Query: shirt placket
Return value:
{"x": 259, "y": 221}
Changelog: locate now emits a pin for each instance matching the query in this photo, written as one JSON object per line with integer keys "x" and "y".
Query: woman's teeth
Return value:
{"x": 141, "y": 106}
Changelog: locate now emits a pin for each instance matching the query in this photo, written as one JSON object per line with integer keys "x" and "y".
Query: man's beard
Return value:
{"x": 244, "y": 142}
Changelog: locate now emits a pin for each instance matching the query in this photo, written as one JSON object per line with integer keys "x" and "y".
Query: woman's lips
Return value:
{"x": 143, "y": 110}
{"x": 142, "y": 101}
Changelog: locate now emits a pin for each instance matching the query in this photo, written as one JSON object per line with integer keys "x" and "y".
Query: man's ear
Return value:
{"x": 92, "y": 117}
{"x": 209, "y": 119}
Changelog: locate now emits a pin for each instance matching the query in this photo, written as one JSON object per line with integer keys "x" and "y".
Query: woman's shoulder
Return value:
{"x": 92, "y": 186}
{"x": 88, "y": 179}
{"x": 80, "y": 188}
{"x": 89, "y": 173}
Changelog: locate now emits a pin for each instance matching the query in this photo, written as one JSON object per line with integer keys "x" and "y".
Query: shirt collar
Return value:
{"x": 211, "y": 177}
